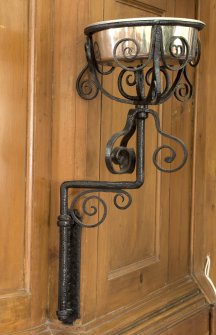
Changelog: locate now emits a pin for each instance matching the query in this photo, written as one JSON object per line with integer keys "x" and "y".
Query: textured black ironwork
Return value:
{"x": 158, "y": 77}
{"x": 70, "y": 222}
{"x": 89, "y": 195}
{"x": 86, "y": 87}
{"x": 69, "y": 268}
{"x": 122, "y": 156}
{"x": 170, "y": 158}
{"x": 151, "y": 82}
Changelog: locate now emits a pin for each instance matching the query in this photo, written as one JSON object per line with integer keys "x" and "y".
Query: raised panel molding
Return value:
{"x": 148, "y": 261}
{"x": 26, "y": 28}
{"x": 13, "y": 115}
{"x": 157, "y": 8}
{"x": 162, "y": 310}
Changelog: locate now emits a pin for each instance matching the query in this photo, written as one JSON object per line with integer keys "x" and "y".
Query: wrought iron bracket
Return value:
{"x": 70, "y": 222}
{"x": 152, "y": 83}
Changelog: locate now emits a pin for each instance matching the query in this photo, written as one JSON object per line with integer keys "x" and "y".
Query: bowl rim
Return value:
{"x": 143, "y": 21}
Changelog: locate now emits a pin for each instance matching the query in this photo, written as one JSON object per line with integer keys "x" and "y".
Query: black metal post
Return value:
{"x": 69, "y": 269}
{"x": 70, "y": 229}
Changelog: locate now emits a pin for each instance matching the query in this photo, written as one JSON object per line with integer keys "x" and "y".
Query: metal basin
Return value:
{"x": 130, "y": 40}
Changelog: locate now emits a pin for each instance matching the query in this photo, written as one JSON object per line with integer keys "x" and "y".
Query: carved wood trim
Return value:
{"x": 205, "y": 287}
{"x": 38, "y": 330}
{"x": 143, "y": 6}
{"x": 165, "y": 307}
{"x": 30, "y": 141}
{"x": 132, "y": 267}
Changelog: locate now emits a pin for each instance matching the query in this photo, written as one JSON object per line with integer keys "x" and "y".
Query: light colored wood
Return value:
{"x": 182, "y": 120}
{"x": 163, "y": 309}
{"x": 130, "y": 242}
{"x": 13, "y": 88}
{"x": 213, "y": 320}
{"x": 135, "y": 269}
{"x": 204, "y": 194}
{"x": 75, "y": 122}
{"x": 156, "y": 7}
{"x": 190, "y": 325}
{"x": 26, "y": 64}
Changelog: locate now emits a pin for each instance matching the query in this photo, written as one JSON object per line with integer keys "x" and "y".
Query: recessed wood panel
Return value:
{"x": 25, "y": 118}
{"x": 204, "y": 201}
{"x": 13, "y": 135}
{"x": 132, "y": 242}
{"x": 133, "y": 232}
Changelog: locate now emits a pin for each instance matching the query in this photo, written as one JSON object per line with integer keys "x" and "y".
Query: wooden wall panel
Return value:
{"x": 134, "y": 255}
{"x": 25, "y": 101}
{"x": 204, "y": 195}
{"x": 132, "y": 244}
{"x": 182, "y": 125}
{"x": 74, "y": 122}
{"x": 13, "y": 116}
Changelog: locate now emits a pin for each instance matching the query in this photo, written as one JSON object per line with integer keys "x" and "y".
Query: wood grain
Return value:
{"x": 136, "y": 268}
{"x": 204, "y": 191}
{"x": 13, "y": 139}
{"x": 25, "y": 38}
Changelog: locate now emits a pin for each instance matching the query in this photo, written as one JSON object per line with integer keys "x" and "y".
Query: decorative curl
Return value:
{"x": 152, "y": 86}
{"x": 130, "y": 80}
{"x": 122, "y": 156}
{"x": 125, "y": 197}
{"x": 86, "y": 88}
{"x": 196, "y": 60}
{"x": 129, "y": 53}
{"x": 166, "y": 77}
{"x": 184, "y": 90}
{"x": 125, "y": 158}
{"x": 178, "y": 51}
{"x": 170, "y": 158}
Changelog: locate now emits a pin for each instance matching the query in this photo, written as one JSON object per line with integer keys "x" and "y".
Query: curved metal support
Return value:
{"x": 122, "y": 156}
{"x": 184, "y": 90}
{"x": 89, "y": 195}
{"x": 171, "y": 158}
{"x": 108, "y": 185}
{"x": 70, "y": 222}
{"x": 86, "y": 88}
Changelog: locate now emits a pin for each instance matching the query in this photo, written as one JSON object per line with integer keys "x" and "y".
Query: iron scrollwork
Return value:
{"x": 158, "y": 76}
{"x": 88, "y": 195}
{"x": 170, "y": 158}
{"x": 149, "y": 81}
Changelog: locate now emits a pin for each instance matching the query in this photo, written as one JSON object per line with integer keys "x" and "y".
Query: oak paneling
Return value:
{"x": 25, "y": 101}
{"x": 141, "y": 249}
{"x": 13, "y": 116}
{"x": 72, "y": 117}
{"x": 204, "y": 186}
{"x": 130, "y": 264}
{"x": 182, "y": 125}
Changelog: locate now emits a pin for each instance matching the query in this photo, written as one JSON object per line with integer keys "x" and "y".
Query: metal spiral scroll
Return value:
{"x": 122, "y": 156}
{"x": 171, "y": 158}
{"x": 184, "y": 90}
{"x": 87, "y": 196}
{"x": 158, "y": 78}
{"x": 85, "y": 85}
{"x": 130, "y": 49}
{"x": 195, "y": 62}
